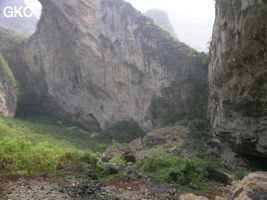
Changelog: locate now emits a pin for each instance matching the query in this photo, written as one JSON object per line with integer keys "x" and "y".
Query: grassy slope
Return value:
{"x": 66, "y": 135}
{"x": 69, "y": 137}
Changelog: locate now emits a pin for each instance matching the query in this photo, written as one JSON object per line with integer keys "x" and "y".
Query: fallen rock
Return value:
{"x": 167, "y": 135}
{"x": 252, "y": 187}
{"x": 122, "y": 150}
{"x": 137, "y": 145}
{"x": 192, "y": 197}
{"x": 219, "y": 176}
{"x": 114, "y": 168}
{"x": 220, "y": 198}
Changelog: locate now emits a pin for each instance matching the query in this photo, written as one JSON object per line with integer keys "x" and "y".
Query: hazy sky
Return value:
{"x": 35, "y": 5}
{"x": 192, "y": 19}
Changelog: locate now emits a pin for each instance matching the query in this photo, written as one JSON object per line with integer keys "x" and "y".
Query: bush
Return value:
{"x": 117, "y": 160}
{"x": 18, "y": 155}
{"x": 183, "y": 172}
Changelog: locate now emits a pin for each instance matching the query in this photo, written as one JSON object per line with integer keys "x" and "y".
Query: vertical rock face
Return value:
{"x": 238, "y": 75}
{"x": 99, "y": 62}
{"x": 25, "y": 25}
{"x": 8, "y": 94}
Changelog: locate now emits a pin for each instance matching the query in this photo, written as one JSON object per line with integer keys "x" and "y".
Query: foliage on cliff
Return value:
{"x": 8, "y": 73}
{"x": 9, "y": 38}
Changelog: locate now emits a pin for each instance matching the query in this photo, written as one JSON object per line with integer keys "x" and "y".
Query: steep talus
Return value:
{"x": 101, "y": 61}
{"x": 238, "y": 75}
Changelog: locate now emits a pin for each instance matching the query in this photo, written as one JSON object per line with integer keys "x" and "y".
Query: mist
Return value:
{"x": 192, "y": 19}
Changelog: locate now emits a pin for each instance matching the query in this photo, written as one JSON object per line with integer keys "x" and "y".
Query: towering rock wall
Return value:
{"x": 99, "y": 62}
{"x": 238, "y": 75}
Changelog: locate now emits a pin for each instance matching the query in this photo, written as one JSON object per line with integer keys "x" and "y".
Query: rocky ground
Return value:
{"x": 68, "y": 182}
{"x": 15, "y": 187}
{"x": 37, "y": 188}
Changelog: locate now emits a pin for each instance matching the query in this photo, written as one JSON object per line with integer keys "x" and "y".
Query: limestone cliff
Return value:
{"x": 238, "y": 75}
{"x": 99, "y": 62}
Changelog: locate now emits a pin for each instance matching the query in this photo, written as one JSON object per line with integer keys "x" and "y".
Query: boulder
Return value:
{"x": 122, "y": 150}
{"x": 252, "y": 187}
{"x": 219, "y": 176}
{"x": 168, "y": 135}
{"x": 192, "y": 197}
{"x": 114, "y": 168}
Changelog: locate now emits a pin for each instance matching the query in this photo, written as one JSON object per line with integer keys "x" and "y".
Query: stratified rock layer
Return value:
{"x": 238, "y": 75}
{"x": 101, "y": 61}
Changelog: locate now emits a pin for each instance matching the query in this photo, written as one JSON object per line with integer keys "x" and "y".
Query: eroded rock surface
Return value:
{"x": 238, "y": 75}
{"x": 99, "y": 62}
{"x": 253, "y": 186}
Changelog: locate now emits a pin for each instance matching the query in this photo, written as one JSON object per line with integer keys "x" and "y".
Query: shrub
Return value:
{"x": 183, "y": 172}
{"x": 118, "y": 160}
{"x": 18, "y": 155}
{"x": 240, "y": 174}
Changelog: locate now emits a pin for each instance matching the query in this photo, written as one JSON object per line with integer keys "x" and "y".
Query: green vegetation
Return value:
{"x": 9, "y": 38}
{"x": 19, "y": 155}
{"x": 240, "y": 174}
{"x": 117, "y": 160}
{"x": 69, "y": 136}
{"x": 198, "y": 136}
{"x": 186, "y": 173}
{"x": 8, "y": 73}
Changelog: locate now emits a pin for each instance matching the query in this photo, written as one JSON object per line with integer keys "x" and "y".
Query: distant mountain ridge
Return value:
{"x": 26, "y": 26}
{"x": 162, "y": 19}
